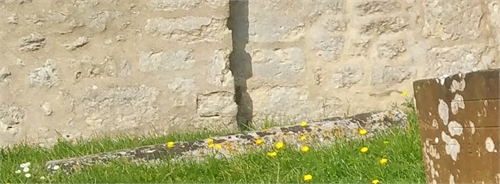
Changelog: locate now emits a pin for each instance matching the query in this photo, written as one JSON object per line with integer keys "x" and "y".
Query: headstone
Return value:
{"x": 459, "y": 122}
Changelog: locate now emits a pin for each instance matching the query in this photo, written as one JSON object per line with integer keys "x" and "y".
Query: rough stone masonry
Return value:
{"x": 84, "y": 67}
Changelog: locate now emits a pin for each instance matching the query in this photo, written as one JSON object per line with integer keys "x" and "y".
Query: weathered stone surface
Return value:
{"x": 452, "y": 19}
{"x": 172, "y": 5}
{"x": 5, "y": 75}
{"x": 177, "y": 60}
{"x": 460, "y": 58}
{"x": 275, "y": 29}
{"x": 216, "y": 104}
{"x": 279, "y": 64}
{"x": 378, "y": 6}
{"x": 494, "y": 10}
{"x": 119, "y": 108}
{"x": 188, "y": 29}
{"x": 390, "y": 49}
{"x": 384, "y": 76}
{"x": 99, "y": 20}
{"x": 45, "y": 75}
{"x": 459, "y": 123}
{"x": 319, "y": 132}
{"x": 11, "y": 117}
{"x": 347, "y": 75}
{"x": 218, "y": 72}
{"x": 32, "y": 42}
{"x": 384, "y": 24}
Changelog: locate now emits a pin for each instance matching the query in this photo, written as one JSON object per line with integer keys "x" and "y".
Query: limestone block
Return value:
{"x": 347, "y": 75}
{"x": 280, "y": 64}
{"x": 172, "y": 5}
{"x": 459, "y": 58}
{"x": 452, "y": 19}
{"x": 215, "y": 104}
{"x": 275, "y": 29}
{"x": 168, "y": 60}
{"x": 188, "y": 29}
{"x": 374, "y": 7}
{"x": 385, "y": 76}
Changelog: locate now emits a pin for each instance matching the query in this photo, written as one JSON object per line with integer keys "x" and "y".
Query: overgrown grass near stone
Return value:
{"x": 394, "y": 157}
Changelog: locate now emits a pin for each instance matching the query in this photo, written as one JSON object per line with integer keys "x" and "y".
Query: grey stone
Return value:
{"x": 389, "y": 49}
{"x": 275, "y": 29}
{"x": 12, "y": 19}
{"x": 32, "y": 42}
{"x": 459, "y": 58}
{"x": 494, "y": 10}
{"x": 347, "y": 76}
{"x": 79, "y": 42}
{"x": 182, "y": 86}
{"x": 45, "y": 75}
{"x": 119, "y": 108}
{"x": 171, "y": 60}
{"x": 172, "y": 5}
{"x": 279, "y": 64}
{"x": 378, "y": 6}
{"x": 11, "y": 115}
{"x": 359, "y": 46}
{"x": 83, "y": 4}
{"x": 86, "y": 68}
{"x": 125, "y": 69}
{"x": 216, "y": 104}
{"x": 325, "y": 44}
{"x": 47, "y": 108}
{"x": 384, "y": 24}
{"x": 99, "y": 20}
{"x": 386, "y": 76}
{"x": 189, "y": 29}
{"x": 335, "y": 24}
{"x": 4, "y": 75}
{"x": 452, "y": 19}
{"x": 218, "y": 72}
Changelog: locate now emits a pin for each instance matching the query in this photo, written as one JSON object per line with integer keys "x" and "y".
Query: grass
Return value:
{"x": 341, "y": 163}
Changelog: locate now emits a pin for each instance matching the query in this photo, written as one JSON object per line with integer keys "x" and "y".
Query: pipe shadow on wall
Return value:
{"x": 241, "y": 61}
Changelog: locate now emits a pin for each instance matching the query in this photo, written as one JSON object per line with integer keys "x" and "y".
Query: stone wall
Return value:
{"x": 82, "y": 67}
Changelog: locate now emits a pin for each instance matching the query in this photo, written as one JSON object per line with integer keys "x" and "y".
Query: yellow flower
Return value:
{"x": 375, "y": 181}
{"x": 404, "y": 93}
{"x": 303, "y": 138}
{"x": 272, "y": 154}
{"x": 210, "y": 141}
{"x": 259, "y": 141}
{"x": 386, "y": 142}
{"x": 218, "y": 146}
{"x": 304, "y": 149}
{"x": 362, "y": 131}
{"x": 364, "y": 149}
{"x": 383, "y": 161}
{"x": 308, "y": 177}
{"x": 279, "y": 145}
{"x": 211, "y": 145}
{"x": 303, "y": 124}
{"x": 170, "y": 144}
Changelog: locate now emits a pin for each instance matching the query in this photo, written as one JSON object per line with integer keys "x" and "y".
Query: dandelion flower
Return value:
{"x": 304, "y": 149}
{"x": 386, "y": 142}
{"x": 303, "y": 124}
{"x": 362, "y": 131}
{"x": 218, "y": 146}
{"x": 404, "y": 93}
{"x": 210, "y": 145}
{"x": 170, "y": 144}
{"x": 18, "y": 171}
{"x": 375, "y": 181}
{"x": 279, "y": 145}
{"x": 27, "y": 175}
{"x": 259, "y": 141}
{"x": 383, "y": 161}
{"x": 210, "y": 141}
{"x": 303, "y": 138}
{"x": 272, "y": 154}
{"x": 26, "y": 170}
{"x": 364, "y": 149}
{"x": 308, "y": 177}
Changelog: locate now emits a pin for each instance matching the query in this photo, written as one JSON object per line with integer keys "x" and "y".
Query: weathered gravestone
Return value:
{"x": 459, "y": 127}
